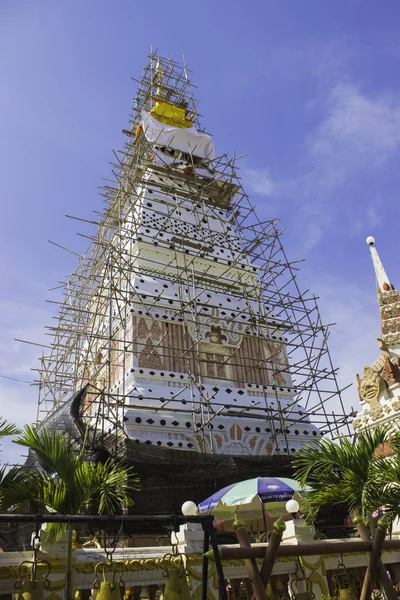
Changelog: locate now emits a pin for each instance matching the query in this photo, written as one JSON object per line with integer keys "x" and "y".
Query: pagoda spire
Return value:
{"x": 388, "y": 299}
{"x": 379, "y": 387}
{"x": 382, "y": 279}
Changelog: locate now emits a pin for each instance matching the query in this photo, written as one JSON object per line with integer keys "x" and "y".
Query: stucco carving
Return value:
{"x": 385, "y": 371}
{"x": 390, "y": 372}
{"x": 370, "y": 387}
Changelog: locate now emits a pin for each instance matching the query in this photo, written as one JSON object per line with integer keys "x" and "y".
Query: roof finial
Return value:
{"x": 384, "y": 284}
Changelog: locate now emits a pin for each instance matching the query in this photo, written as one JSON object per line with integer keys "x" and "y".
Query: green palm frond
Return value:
{"x": 386, "y": 478}
{"x": 395, "y": 440}
{"x": 341, "y": 471}
{"x": 311, "y": 503}
{"x": 117, "y": 483}
{"x": 7, "y": 429}
{"x": 54, "y": 449}
{"x": 67, "y": 484}
{"x": 21, "y": 491}
{"x": 109, "y": 485}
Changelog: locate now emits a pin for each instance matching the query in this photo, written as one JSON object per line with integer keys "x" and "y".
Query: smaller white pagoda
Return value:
{"x": 379, "y": 387}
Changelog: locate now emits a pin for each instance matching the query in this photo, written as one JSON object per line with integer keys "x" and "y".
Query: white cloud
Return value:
{"x": 368, "y": 218}
{"x": 18, "y": 401}
{"x": 311, "y": 235}
{"x": 352, "y": 340}
{"x": 18, "y": 406}
{"x": 358, "y": 132}
{"x": 296, "y": 62}
{"x": 260, "y": 182}
{"x": 374, "y": 219}
{"x": 357, "y": 136}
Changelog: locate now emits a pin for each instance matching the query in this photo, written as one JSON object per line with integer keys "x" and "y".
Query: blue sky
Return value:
{"x": 309, "y": 90}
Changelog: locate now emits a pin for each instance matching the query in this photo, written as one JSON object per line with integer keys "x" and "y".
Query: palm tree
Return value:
{"x": 348, "y": 471}
{"x": 7, "y": 476}
{"x": 387, "y": 477}
{"x": 65, "y": 482}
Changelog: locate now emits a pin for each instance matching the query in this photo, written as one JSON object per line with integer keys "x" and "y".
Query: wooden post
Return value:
{"x": 382, "y": 573}
{"x": 250, "y": 563}
{"x": 204, "y": 575}
{"x": 68, "y": 578}
{"x": 223, "y": 594}
{"x": 270, "y": 554}
{"x": 303, "y": 549}
{"x": 377, "y": 545}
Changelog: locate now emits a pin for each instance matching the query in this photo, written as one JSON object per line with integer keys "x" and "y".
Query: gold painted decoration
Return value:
{"x": 319, "y": 565}
{"x": 376, "y": 414}
{"x": 316, "y": 569}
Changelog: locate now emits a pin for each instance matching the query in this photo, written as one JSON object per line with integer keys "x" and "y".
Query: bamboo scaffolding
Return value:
{"x": 193, "y": 230}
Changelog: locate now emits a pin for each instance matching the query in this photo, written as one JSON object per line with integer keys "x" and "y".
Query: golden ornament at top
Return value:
{"x": 170, "y": 114}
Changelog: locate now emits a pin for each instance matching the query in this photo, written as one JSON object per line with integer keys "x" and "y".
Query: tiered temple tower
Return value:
{"x": 183, "y": 337}
{"x": 379, "y": 388}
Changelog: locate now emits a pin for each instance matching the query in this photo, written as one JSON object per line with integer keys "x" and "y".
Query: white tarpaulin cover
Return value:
{"x": 186, "y": 140}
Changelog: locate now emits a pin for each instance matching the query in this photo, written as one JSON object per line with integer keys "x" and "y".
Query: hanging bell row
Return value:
{"x": 32, "y": 588}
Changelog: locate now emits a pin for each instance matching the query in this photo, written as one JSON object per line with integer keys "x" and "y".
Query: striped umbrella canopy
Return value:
{"x": 251, "y": 498}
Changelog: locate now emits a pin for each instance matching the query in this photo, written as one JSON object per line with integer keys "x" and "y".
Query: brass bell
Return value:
{"x": 104, "y": 589}
{"x": 344, "y": 583}
{"x": 33, "y": 588}
{"x": 176, "y": 585}
{"x": 302, "y": 596}
{"x": 300, "y": 578}
{"x": 108, "y": 590}
{"x": 347, "y": 594}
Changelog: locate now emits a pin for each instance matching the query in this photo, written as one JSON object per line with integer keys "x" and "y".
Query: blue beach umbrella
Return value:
{"x": 251, "y": 498}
